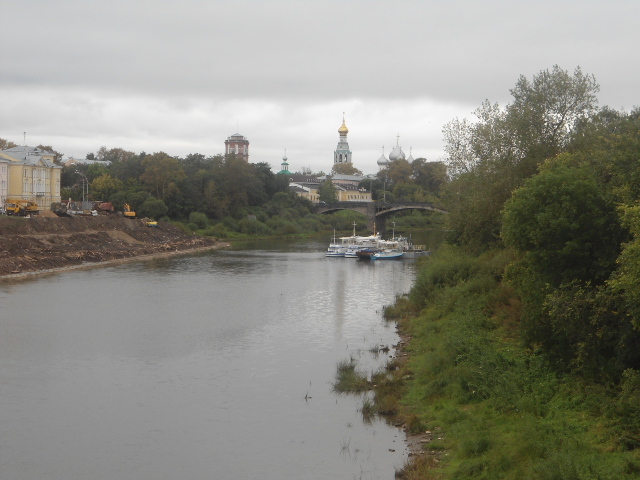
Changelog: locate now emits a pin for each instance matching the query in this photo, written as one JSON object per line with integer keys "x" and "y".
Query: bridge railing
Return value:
{"x": 387, "y": 205}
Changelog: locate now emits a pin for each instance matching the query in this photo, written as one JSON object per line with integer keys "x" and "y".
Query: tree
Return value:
{"x": 104, "y": 186}
{"x": 399, "y": 171}
{"x": 6, "y": 144}
{"x": 57, "y": 155}
{"x": 153, "y": 208}
{"x": 345, "y": 169}
{"x": 626, "y": 281}
{"x": 129, "y": 168}
{"x": 496, "y": 154}
{"x": 431, "y": 176}
{"x": 372, "y": 185}
{"x": 546, "y": 110}
{"x": 327, "y": 191}
{"x": 565, "y": 224}
{"x": 161, "y": 174}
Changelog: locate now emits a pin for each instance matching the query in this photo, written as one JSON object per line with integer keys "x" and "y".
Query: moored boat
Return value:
{"x": 336, "y": 249}
{"x": 388, "y": 254}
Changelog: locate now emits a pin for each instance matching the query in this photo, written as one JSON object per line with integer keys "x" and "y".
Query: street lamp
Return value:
{"x": 84, "y": 181}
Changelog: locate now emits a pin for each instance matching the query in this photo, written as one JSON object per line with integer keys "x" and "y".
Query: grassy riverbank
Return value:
{"x": 500, "y": 411}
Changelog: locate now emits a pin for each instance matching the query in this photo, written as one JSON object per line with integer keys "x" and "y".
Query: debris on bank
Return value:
{"x": 44, "y": 243}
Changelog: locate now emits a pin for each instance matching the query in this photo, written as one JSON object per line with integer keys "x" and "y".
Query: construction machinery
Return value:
{"x": 21, "y": 208}
{"x": 128, "y": 213}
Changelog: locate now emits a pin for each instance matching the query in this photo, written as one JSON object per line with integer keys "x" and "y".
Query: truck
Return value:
{"x": 103, "y": 208}
{"x": 21, "y": 208}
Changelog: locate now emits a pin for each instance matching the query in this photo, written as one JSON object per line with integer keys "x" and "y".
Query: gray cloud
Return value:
{"x": 182, "y": 76}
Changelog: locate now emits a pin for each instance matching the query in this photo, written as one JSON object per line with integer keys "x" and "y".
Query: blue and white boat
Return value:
{"x": 388, "y": 254}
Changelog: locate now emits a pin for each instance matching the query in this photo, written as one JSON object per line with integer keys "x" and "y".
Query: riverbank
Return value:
{"x": 30, "y": 246}
{"x": 475, "y": 403}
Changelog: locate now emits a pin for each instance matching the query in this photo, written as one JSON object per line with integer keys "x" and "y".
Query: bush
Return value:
{"x": 153, "y": 208}
{"x": 200, "y": 219}
{"x": 218, "y": 230}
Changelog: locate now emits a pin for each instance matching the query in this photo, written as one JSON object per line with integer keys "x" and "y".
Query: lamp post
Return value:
{"x": 84, "y": 181}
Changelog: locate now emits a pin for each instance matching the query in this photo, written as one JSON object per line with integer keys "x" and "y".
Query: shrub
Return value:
{"x": 200, "y": 219}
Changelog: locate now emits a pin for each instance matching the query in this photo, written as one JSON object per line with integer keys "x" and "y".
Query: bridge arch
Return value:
{"x": 377, "y": 212}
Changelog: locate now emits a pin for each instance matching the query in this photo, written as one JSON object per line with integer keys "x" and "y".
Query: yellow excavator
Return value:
{"x": 128, "y": 213}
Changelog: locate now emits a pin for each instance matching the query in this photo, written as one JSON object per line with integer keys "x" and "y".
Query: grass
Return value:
{"x": 504, "y": 413}
{"x": 349, "y": 379}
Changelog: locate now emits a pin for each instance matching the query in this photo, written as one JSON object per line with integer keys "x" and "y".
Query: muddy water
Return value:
{"x": 215, "y": 366}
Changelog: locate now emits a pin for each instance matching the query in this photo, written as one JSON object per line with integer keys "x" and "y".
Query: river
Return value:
{"x": 211, "y": 366}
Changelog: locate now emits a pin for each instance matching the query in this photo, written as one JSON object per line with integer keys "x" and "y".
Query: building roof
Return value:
{"x": 352, "y": 178}
{"x": 85, "y": 161}
{"x": 298, "y": 178}
{"x": 237, "y": 137}
{"x": 32, "y": 156}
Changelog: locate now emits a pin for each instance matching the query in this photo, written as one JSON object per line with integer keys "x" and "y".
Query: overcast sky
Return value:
{"x": 181, "y": 76}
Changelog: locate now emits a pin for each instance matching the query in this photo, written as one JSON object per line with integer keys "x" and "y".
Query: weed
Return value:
{"x": 348, "y": 379}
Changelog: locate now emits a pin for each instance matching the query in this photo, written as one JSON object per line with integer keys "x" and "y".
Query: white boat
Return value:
{"x": 352, "y": 251}
{"x": 336, "y": 249}
{"x": 388, "y": 254}
{"x": 410, "y": 250}
{"x": 349, "y": 246}
{"x": 405, "y": 245}
{"x": 362, "y": 243}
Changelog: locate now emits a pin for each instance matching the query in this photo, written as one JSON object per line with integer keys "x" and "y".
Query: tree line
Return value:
{"x": 554, "y": 179}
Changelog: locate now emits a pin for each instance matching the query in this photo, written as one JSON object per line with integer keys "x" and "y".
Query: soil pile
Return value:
{"x": 40, "y": 243}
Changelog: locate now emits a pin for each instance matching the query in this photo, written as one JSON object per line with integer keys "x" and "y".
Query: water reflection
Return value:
{"x": 216, "y": 365}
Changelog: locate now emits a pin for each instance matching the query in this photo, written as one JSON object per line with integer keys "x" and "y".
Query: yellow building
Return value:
{"x": 31, "y": 175}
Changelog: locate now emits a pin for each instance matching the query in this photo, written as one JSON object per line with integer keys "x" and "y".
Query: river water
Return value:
{"x": 212, "y": 366}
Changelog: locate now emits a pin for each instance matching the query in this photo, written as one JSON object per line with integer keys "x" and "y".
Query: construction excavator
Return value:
{"x": 128, "y": 213}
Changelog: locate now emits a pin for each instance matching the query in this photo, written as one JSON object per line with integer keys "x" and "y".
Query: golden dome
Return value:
{"x": 343, "y": 130}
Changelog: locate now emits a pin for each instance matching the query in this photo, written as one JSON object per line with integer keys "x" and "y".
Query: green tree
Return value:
{"x": 104, "y": 186}
{"x": 493, "y": 156}
{"x": 565, "y": 224}
{"x": 327, "y": 191}
{"x": 161, "y": 174}
{"x": 345, "y": 169}
{"x": 397, "y": 172}
{"x": 626, "y": 281}
{"x": 153, "y": 208}
{"x": 431, "y": 176}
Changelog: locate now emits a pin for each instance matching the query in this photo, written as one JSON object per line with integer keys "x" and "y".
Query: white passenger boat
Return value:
{"x": 336, "y": 249}
{"x": 348, "y": 247}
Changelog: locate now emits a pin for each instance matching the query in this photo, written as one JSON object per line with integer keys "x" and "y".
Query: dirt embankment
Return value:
{"x": 38, "y": 244}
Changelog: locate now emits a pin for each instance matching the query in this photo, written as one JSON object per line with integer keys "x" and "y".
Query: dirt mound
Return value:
{"x": 41, "y": 243}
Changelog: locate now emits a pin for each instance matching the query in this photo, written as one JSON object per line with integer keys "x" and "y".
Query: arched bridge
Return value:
{"x": 377, "y": 212}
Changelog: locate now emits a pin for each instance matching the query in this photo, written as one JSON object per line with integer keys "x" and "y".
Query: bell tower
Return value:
{"x": 342, "y": 153}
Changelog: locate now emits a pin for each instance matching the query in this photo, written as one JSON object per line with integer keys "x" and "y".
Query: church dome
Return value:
{"x": 343, "y": 130}
{"x": 396, "y": 154}
{"x": 383, "y": 161}
{"x": 410, "y": 159}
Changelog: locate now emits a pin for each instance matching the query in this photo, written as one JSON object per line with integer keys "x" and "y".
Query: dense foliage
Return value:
{"x": 525, "y": 350}
{"x": 235, "y": 197}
